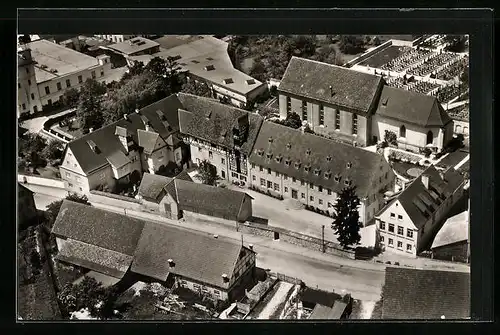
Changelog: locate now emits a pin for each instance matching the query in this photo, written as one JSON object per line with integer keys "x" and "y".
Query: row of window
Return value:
{"x": 409, "y": 232}
{"x": 322, "y": 115}
{"x": 68, "y": 82}
{"x": 400, "y": 244}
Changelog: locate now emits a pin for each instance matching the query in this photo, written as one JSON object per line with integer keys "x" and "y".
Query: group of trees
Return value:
{"x": 35, "y": 151}
{"x": 351, "y": 44}
{"x": 455, "y": 43}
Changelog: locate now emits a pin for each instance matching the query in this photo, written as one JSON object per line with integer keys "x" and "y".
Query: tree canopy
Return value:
{"x": 54, "y": 207}
{"x": 89, "y": 109}
{"x": 197, "y": 88}
{"x": 292, "y": 120}
{"x": 207, "y": 173}
{"x": 346, "y": 223}
{"x": 351, "y": 44}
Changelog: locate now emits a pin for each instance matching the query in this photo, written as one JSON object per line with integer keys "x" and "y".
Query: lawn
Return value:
{"x": 384, "y": 56}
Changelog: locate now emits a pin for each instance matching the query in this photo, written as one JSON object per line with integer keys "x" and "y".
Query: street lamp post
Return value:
{"x": 323, "y": 238}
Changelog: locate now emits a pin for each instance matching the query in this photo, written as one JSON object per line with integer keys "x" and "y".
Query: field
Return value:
{"x": 384, "y": 56}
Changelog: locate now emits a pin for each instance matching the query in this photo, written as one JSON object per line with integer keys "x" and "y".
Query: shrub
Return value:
{"x": 390, "y": 137}
{"x": 392, "y": 157}
{"x": 273, "y": 90}
{"x": 427, "y": 152}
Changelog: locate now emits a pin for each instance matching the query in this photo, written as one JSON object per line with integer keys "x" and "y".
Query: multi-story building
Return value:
{"x": 145, "y": 141}
{"x": 314, "y": 169}
{"x": 46, "y": 70}
{"x": 222, "y": 134}
{"x": 115, "y": 38}
{"x": 409, "y": 222}
{"x": 135, "y": 47}
{"x": 357, "y": 107}
{"x": 333, "y": 100}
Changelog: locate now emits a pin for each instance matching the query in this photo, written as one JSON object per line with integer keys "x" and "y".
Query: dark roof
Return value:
{"x": 152, "y": 185}
{"x": 23, "y": 191}
{"x": 193, "y": 196}
{"x": 109, "y": 143}
{"x": 95, "y": 226}
{"x": 118, "y": 159}
{"x": 312, "y": 79}
{"x": 412, "y": 107}
{"x": 416, "y": 198}
{"x": 425, "y": 294}
{"x": 363, "y": 171}
{"x": 321, "y": 312}
{"x": 314, "y": 296}
{"x": 195, "y": 255}
{"x": 217, "y": 128}
{"x": 455, "y": 229}
{"x": 92, "y": 257}
{"x": 203, "y": 198}
{"x": 147, "y": 140}
{"x": 183, "y": 175}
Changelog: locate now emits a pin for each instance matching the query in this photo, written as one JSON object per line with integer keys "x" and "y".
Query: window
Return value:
{"x": 320, "y": 201}
{"x": 70, "y": 185}
{"x": 268, "y": 171}
{"x": 311, "y": 198}
{"x": 382, "y": 239}
{"x": 311, "y": 186}
{"x": 321, "y": 115}
{"x": 286, "y": 189}
{"x": 337, "y": 120}
{"x": 35, "y": 109}
{"x": 393, "y": 215}
{"x": 330, "y": 205}
{"x": 354, "y": 124}
{"x": 29, "y": 82}
{"x": 196, "y": 287}
{"x": 261, "y": 168}
{"x": 288, "y": 105}
{"x": 302, "y": 195}
{"x": 320, "y": 189}
{"x": 391, "y": 227}
{"x": 277, "y": 174}
{"x": 402, "y": 131}
{"x": 18, "y": 85}
{"x": 234, "y": 175}
{"x": 304, "y": 111}
{"x": 269, "y": 184}
{"x": 49, "y": 102}
{"x": 400, "y": 245}
{"x": 93, "y": 74}
{"x": 391, "y": 242}
{"x": 210, "y": 155}
{"x": 253, "y": 166}
{"x": 59, "y": 86}
{"x": 47, "y": 90}
{"x": 216, "y": 292}
{"x": 223, "y": 173}
{"x": 24, "y": 106}
{"x": 400, "y": 217}
{"x": 68, "y": 83}
{"x": 329, "y": 192}
{"x": 285, "y": 177}
{"x": 276, "y": 187}
{"x": 80, "y": 79}
{"x": 409, "y": 233}
{"x": 294, "y": 180}
{"x": 382, "y": 225}
{"x": 102, "y": 73}
{"x": 204, "y": 289}
{"x": 400, "y": 230}
{"x": 254, "y": 178}
{"x": 408, "y": 247}
{"x": 302, "y": 183}
{"x": 68, "y": 175}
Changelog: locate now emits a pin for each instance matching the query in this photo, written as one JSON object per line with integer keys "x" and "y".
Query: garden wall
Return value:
{"x": 197, "y": 217}
{"x": 114, "y": 200}
{"x": 43, "y": 181}
{"x": 296, "y": 239}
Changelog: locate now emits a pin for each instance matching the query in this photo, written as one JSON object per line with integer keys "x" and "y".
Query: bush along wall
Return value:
{"x": 256, "y": 189}
{"x": 318, "y": 211}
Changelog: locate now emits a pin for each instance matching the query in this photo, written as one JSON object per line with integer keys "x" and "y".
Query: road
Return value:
{"x": 362, "y": 279}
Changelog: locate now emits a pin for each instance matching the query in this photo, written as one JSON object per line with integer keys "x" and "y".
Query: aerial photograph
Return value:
{"x": 270, "y": 177}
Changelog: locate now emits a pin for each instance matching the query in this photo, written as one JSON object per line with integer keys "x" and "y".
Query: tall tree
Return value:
{"x": 23, "y": 39}
{"x": 89, "y": 109}
{"x": 31, "y": 148}
{"x": 207, "y": 173}
{"x": 292, "y": 120}
{"x": 53, "y": 150}
{"x": 197, "y": 88}
{"x": 71, "y": 97}
{"x": 351, "y": 44}
{"x": 346, "y": 223}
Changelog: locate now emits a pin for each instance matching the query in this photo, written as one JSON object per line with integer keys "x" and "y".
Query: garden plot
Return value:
{"x": 275, "y": 305}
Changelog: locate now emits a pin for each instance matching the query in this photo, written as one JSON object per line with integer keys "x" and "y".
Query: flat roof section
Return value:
{"x": 133, "y": 45}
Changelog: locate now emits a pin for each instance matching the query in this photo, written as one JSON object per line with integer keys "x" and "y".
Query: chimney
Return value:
{"x": 137, "y": 110}
{"x": 147, "y": 126}
{"x": 425, "y": 180}
{"x": 441, "y": 174}
{"x": 125, "y": 116}
{"x": 171, "y": 262}
{"x": 331, "y": 90}
{"x": 91, "y": 130}
{"x": 216, "y": 236}
{"x": 225, "y": 278}
{"x": 250, "y": 246}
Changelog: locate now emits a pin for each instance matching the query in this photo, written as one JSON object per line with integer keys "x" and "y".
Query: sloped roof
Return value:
{"x": 363, "y": 172}
{"x": 218, "y": 127}
{"x": 109, "y": 143}
{"x": 196, "y": 255}
{"x": 192, "y": 196}
{"x": 425, "y": 294}
{"x": 147, "y": 140}
{"x": 412, "y": 107}
{"x": 312, "y": 79}
{"x": 455, "y": 229}
{"x": 134, "y": 45}
{"x": 92, "y": 257}
{"x": 321, "y": 312}
{"x": 118, "y": 159}
{"x": 98, "y": 227}
{"x": 314, "y": 296}
{"x": 415, "y": 197}
{"x": 23, "y": 191}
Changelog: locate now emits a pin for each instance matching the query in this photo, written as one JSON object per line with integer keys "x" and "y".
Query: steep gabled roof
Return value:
{"x": 312, "y": 79}
{"x": 118, "y": 159}
{"x": 147, "y": 140}
{"x": 152, "y": 186}
{"x": 455, "y": 229}
{"x": 196, "y": 255}
{"x": 425, "y": 294}
{"x": 211, "y": 121}
{"x": 412, "y": 107}
{"x": 314, "y": 152}
{"x": 416, "y": 198}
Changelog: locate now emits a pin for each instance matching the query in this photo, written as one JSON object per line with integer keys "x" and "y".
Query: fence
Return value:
{"x": 114, "y": 200}
{"x": 43, "y": 181}
{"x": 47, "y": 126}
{"x": 288, "y": 279}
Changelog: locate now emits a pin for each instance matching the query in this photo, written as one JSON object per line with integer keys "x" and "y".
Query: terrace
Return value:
{"x": 406, "y": 60}
{"x": 432, "y": 64}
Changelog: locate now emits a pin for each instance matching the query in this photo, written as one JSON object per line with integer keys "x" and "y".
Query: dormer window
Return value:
{"x": 347, "y": 182}
{"x": 337, "y": 178}
{"x": 209, "y": 68}
{"x": 208, "y": 114}
{"x": 250, "y": 82}
{"x": 384, "y": 102}
{"x": 270, "y": 139}
{"x": 288, "y": 146}
{"x": 279, "y": 158}
{"x": 269, "y": 155}
{"x": 317, "y": 171}
{"x": 297, "y": 165}
{"x": 287, "y": 162}
{"x": 328, "y": 158}
{"x": 328, "y": 174}
{"x": 228, "y": 81}
{"x": 260, "y": 152}
{"x": 307, "y": 168}
{"x": 308, "y": 152}
{"x": 349, "y": 165}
